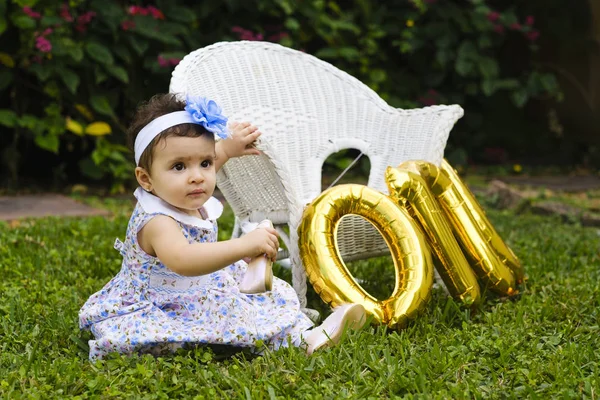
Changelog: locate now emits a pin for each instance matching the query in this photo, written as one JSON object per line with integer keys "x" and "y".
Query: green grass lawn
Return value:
{"x": 545, "y": 343}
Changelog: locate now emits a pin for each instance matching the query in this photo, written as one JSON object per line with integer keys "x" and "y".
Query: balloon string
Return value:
{"x": 346, "y": 170}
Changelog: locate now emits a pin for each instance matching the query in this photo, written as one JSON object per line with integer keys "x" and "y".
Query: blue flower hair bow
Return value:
{"x": 207, "y": 113}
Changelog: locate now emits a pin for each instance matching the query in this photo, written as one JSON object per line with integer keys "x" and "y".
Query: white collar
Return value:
{"x": 152, "y": 204}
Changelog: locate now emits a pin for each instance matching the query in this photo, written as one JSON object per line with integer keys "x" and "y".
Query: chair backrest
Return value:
{"x": 307, "y": 109}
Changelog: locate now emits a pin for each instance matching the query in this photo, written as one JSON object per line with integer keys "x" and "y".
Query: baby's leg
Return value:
{"x": 330, "y": 332}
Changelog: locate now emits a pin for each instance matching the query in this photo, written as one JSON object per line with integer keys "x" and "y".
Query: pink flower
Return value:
{"x": 532, "y": 36}
{"x": 277, "y": 36}
{"x": 174, "y": 61}
{"x": 426, "y": 101}
{"x": 515, "y": 26}
{"x": 65, "y": 14}
{"x": 493, "y": 16}
{"x": 31, "y": 13}
{"x": 134, "y": 10}
{"x": 47, "y": 32}
{"x": 162, "y": 62}
{"x": 499, "y": 29}
{"x": 43, "y": 44}
{"x": 530, "y": 20}
{"x": 127, "y": 25}
{"x": 137, "y": 10}
{"x": 86, "y": 18}
{"x": 245, "y": 34}
{"x": 155, "y": 12}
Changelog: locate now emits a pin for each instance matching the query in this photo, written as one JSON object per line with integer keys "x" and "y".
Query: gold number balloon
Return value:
{"x": 487, "y": 230}
{"x": 408, "y": 187}
{"x": 491, "y": 259}
{"x": 329, "y": 275}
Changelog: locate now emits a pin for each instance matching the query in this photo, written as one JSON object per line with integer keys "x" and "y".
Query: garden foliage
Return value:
{"x": 72, "y": 72}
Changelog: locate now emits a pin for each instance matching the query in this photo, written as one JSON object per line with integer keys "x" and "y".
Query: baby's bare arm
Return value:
{"x": 162, "y": 237}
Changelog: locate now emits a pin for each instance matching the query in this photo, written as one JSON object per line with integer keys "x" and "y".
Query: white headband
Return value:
{"x": 199, "y": 110}
{"x": 154, "y": 128}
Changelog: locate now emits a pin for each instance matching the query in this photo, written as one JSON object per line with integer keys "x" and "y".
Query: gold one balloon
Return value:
{"x": 488, "y": 233}
{"x": 329, "y": 275}
{"x": 469, "y": 224}
{"x": 409, "y": 188}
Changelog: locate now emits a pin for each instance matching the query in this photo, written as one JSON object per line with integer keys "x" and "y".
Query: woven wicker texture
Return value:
{"x": 307, "y": 110}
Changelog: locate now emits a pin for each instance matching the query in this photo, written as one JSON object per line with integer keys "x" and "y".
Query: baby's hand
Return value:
{"x": 262, "y": 241}
{"x": 243, "y": 135}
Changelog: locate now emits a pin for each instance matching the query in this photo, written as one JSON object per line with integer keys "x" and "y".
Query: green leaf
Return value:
{"x": 101, "y": 105}
{"x": 488, "y": 67}
{"x": 76, "y": 53}
{"x": 484, "y": 42}
{"x": 42, "y": 72}
{"x": 51, "y": 20}
{"x": 285, "y": 6}
{"x": 463, "y": 67}
{"x": 377, "y": 75}
{"x": 99, "y": 53}
{"x": 122, "y": 52}
{"x": 149, "y": 32}
{"x": 180, "y": 14}
{"x": 28, "y": 121}
{"x": 292, "y": 24}
{"x": 349, "y": 53}
{"x": 8, "y": 118}
{"x": 90, "y": 169}
{"x": 520, "y": 98}
{"x": 23, "y": 22}
{"x": 70, "y": 79}
{"x": 3, "y": 23}
{"x": 6, "y": 77}
{"x": 118, "y": 72}
{"x": 488, "y": 87}
{"x": 508, "y": 84}
{"x": 327, "y": 52}
{"x": 549, "y": 82}
{"x": 101, "y": 76}
{"x": 138, "y": 45}
{"x": 48, "y": 142}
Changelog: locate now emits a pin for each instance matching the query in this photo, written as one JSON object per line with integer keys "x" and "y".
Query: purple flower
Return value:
{"x": 208, "y": 114}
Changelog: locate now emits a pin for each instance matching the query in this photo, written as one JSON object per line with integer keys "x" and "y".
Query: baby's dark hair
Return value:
{"x": 158, "y": 105}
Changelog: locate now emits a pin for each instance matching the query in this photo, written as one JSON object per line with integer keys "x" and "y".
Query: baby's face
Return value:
{"x": 183, "y": 171}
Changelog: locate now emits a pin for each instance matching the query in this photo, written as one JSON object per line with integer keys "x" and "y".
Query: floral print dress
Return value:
{"x": 148, "y": 308}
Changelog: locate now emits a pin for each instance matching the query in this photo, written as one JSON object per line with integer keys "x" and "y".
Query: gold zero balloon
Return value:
{"x": 329, "y": 275}
{"x": 483, "y": 246}
{"x": 408, "y": 188}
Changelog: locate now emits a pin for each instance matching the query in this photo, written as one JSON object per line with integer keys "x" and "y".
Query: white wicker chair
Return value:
{"x": 307, "y": 110}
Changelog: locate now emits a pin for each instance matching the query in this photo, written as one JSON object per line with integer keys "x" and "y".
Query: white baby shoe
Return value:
{"x": 330, "y": 332}
{"x": 259, "y": 275}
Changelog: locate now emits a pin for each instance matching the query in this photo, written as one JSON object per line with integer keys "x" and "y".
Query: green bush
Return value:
{"x": 74, "y": 72}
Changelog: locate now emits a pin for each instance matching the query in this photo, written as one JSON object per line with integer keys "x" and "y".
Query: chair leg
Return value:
{"x": 237, "y": 229}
